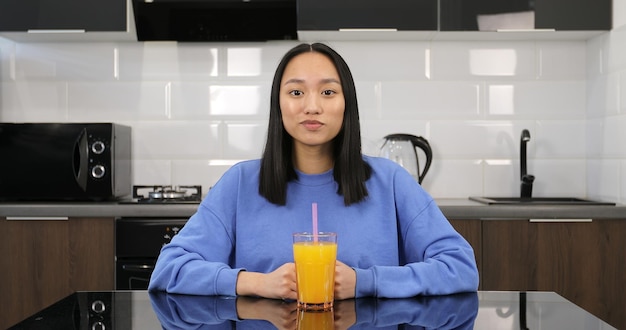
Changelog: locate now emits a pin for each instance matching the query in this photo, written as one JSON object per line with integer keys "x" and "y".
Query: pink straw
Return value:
{"x": 314, "y": 206}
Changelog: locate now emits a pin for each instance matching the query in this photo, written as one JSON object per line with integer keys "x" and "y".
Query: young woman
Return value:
{"x": 393, "y": 240}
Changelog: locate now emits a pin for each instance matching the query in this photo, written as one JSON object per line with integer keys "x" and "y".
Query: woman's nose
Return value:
{"x": 312, "y": 105}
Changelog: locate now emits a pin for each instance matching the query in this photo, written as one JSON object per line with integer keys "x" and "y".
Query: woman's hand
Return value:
{"x": 345, "y": 314}
{"x": 345, "y": 281}
{"x": 279, "y": 284}
{"x": 281, "y": 314}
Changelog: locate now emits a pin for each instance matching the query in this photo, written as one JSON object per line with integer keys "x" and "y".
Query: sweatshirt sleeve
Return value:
{"x": 434, "y": 258}
{"x": 196, "y": 260}
{"x": 199, "y": 259}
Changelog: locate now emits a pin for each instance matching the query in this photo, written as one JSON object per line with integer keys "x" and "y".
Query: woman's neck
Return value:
{"x": 313, "y": 159}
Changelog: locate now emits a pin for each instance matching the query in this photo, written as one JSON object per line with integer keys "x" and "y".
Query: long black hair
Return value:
{"x": 350, "y": 170}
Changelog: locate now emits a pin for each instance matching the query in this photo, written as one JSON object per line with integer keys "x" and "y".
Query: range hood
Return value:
{"x": 215, "y": 20}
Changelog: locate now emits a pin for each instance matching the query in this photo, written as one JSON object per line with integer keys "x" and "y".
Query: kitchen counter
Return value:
{"x": 482, "y": 310}
{"x": 453, "y": 208}
{"x": 505, "y": 250}
{"x": 467, "y": 209}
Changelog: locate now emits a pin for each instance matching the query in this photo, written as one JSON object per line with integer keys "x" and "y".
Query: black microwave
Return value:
{"x": 64, "y": 161}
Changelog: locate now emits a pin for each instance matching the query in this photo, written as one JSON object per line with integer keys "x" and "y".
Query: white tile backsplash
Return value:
{"x": 197, "y": 108}
{"x": 196, "y": 172}
{"x": 174, "y": 140}
{"x": 167, "y": 61}
{"x": 33, "y": 101}
{"x": 603, "y": 180}
{"x": 537, "y": 99}
{"x": 244, "y": 62}
{"x": 373, "y": 132}
{"x": 432, "y": 100}
{"x": 603, "y": 95}
{"x": 478, "y": 139}
{"x": 110, "y": 101}
{"x": 148, "y": 172}
{"x": 616, "y": 52}
{"x": 239, "y": 100}
{"x": 385, "y": 60}
{"x": 621, "y": 92}
{"x": 7, "y": 60}
{"x": 501, "y": 177}
{"x": 244, "y": 139}
{"x": 607, "y": 137}
{"x": 454, "y": 178}
{"x": 561, "y": 60}
{"x": 559, "y": 139}
{"x": 485, "y": 60}
{"x": 65, "y": 62}
{"x": 558, "y": 177}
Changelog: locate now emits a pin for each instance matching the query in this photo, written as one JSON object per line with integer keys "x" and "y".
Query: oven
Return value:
{"x": 138, "y": 240}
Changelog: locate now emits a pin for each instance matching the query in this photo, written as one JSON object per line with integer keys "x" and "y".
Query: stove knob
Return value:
{"x": 98, "y": 306}
{"x": 98, "y": 171}
{"x": 98, "y": 147}
{"x": 98, "y": 326}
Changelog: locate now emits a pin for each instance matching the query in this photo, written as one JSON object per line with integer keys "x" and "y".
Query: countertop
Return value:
{"x": 482, "y": 310}
{"x": 453, "y": 208}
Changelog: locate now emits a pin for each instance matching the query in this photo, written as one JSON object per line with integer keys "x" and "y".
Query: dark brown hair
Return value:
{"x": 350, "y": 170}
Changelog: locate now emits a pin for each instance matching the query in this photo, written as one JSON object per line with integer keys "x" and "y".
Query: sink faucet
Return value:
{"x": 527, "y": 179}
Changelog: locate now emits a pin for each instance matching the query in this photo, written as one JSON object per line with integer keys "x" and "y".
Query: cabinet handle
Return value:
{"x": 525, "y": 30}
{"x": 367, "y": 30}
{"x": 560, "y": 220}
{"x": 37, "y": 218}
{"x": 138, "y": 268}
{"x": 56, "y": 31}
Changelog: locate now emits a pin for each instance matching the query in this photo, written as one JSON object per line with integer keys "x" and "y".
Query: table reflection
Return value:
{"x": 457, "y": 311}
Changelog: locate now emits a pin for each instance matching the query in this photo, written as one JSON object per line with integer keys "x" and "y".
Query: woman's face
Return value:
{"x": 311, "y": 100}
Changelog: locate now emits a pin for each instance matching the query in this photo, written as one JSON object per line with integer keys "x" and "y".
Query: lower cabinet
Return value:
{"x": 471, "y": 230}
{"x": 46, "y": 260}
{"x": 582, "y": 261}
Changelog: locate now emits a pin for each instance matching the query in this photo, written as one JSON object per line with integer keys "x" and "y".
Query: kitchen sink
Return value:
{"x": 537, "y": 201}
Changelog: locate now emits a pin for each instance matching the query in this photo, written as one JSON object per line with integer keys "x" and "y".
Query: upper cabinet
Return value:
{"x": 498, "y": 15}
{"x": 365, "y": 19}
{"x": 35, "y": 20}
{"x": 452, "y": 19}
{"x": 323, "y": 20}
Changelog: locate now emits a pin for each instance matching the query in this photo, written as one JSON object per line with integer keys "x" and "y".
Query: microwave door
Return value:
{"x": 40, "y": 161}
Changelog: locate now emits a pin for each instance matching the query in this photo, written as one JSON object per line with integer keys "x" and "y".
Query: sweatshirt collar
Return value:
{"x": 315, "y": 179}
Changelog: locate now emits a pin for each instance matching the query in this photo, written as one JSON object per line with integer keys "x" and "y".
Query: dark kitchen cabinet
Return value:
{"x": 88, "y": 15}
{"x": 560, "y": 15}
{"x": 471, "y": 230}
{"x": 332, "y": 15}
{"x": 46, "y": 260}
{"x": 582, "y": 261}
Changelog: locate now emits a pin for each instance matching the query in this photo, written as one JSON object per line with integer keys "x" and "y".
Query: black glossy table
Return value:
{"x": 482, "y": 310}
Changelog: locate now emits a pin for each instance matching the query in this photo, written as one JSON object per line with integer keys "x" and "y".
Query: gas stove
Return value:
{"x": 166, "y": 195}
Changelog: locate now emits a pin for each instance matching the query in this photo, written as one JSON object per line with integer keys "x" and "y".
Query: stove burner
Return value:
{"x": 166, "y": 194}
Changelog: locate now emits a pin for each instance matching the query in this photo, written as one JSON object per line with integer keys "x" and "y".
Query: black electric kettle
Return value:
{"x": 403, "y": 149}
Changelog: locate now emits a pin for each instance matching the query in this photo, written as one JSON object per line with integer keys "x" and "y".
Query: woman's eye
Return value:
{"x": 295, "y": 92}
{"x": 328, "y": 92}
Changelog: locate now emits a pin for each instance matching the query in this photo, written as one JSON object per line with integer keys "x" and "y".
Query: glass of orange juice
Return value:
{"x": 316, "y": 320}
{"x": 315, "y": 256}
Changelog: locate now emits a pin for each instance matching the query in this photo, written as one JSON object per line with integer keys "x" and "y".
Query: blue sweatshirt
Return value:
{"x": 397, "y": 240}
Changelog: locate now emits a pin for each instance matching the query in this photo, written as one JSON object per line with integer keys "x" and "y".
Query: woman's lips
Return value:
{"x": 312, "y": 124}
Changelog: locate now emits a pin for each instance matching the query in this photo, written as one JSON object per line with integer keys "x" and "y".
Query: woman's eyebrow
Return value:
{"x": 294, "y": 81}
{"x": 331, "y": 80}
{"x": 299, "y": 81}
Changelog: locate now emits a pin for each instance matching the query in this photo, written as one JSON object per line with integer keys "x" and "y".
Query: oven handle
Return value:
{"x": 138, "y": 268}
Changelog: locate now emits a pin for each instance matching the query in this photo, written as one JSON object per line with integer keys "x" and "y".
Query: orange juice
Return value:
{"x": 316, "y": 320}
{"x": 315, "y": 273}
